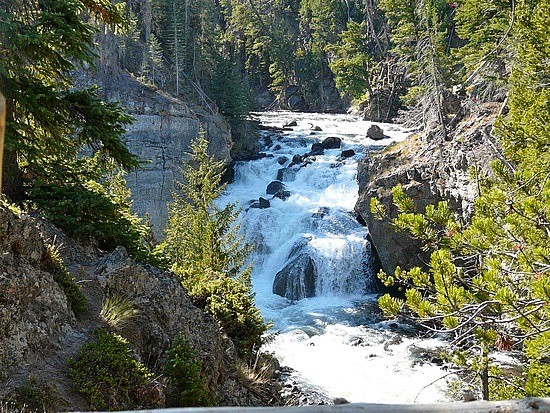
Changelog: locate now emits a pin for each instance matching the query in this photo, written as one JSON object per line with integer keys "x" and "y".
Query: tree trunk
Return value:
{"x": 12, "y": 179}
{"x": 2, "y": 131}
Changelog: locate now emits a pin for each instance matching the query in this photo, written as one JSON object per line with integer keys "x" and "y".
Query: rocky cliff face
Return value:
{"x": 39, "y": 332}
{"x": 429, "y": 171}
{"x": 160, "y": 135}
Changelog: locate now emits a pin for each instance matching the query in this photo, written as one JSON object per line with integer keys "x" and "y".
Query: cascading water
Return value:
{"x": 312, "y": 275}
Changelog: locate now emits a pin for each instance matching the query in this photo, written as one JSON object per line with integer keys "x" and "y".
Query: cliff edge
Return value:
{"x": 429, "y": 170}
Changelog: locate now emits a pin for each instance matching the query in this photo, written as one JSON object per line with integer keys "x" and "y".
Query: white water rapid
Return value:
{"x": 336, "y": 341}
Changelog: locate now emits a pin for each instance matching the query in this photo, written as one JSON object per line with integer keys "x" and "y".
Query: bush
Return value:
{"x": 232, "y": 305}
{"x": 109, "y": 377}
{"x": 183, "y": 370}
{"x": 53, "y": 263}
{"x": 33, "y": 396}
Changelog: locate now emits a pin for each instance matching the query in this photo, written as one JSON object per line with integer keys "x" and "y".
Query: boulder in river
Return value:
{"x": 297, "y": 278}
{"x": 332, "y": 142}
{"x": 296, "y": 160}
{"x": 375, "y": 132}
{"x": 274, "y": 187}
{"x": 317, "y": 149}
{"x": 261, "y": 203}
{"x": 287, "y": 174}
{"x": 290, "y": 124}
{"x": 348, "y": 153}
{"x": 282, "y": 160}
{"x": 282, "y": 194}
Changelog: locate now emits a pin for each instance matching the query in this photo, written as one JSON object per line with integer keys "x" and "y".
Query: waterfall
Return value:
{"x": 313, "y": 275}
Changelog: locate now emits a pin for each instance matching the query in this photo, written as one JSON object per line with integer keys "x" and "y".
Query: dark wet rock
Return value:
{"x": 264, "y": 203}
{"x": 297, "y": 278}
{"x": 375, "y": 132}
{"x": 282, "y": 194}
{"x": 291, "y": 124}
{"x": 348, "y": 153}
{"x": 282, "y": 160}
{"x": 297, "y": 159}
{"x": 317, "y": 149}
{"x": 274, "y": 187}
{"x": 332, "y": 142}
{"x": 287, "y": 174}
{"x": 261, "y": 203}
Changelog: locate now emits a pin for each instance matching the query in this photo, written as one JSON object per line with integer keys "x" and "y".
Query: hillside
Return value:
{"x": 40, "y": 333}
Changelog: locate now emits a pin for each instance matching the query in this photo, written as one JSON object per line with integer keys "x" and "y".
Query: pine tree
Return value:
{"x": 487, "y": 284}
{"x": 419, "y": 36}
{"x": 206, "y": 251}
{"x": 152, "y": 66}
{"x": 48, "y": 121}
{"x": 62, "y": 143}
{"x": 202, "y": 238}
{"x": 353, "y": 65}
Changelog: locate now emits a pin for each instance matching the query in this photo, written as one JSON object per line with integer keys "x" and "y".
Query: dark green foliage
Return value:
{"x": 53, "y": 263}
{"x": 50, "y": 124}
{"x": 186, "y": 386}
{"x": 232, "y": 304}
{"x": 47, "y": 119}
{"x": 88, "y": 209}
{"x": 353, "y": 65}
{"x": 487, "y": 284}
{"x": 207, "y": 252}
{"x": 109, "y": 377}
{"x": 33, "y": 396}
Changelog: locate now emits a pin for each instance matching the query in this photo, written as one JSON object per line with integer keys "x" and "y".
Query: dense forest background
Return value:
{"x": 320, "y": 55}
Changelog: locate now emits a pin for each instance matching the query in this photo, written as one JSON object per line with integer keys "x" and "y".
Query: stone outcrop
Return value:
{"x": 160, "y": 135}
{"x": 429, "y": 171}
{"x": 39, "y": 332}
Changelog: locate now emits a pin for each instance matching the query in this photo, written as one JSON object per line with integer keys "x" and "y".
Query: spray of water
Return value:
{"x": 336, "y": 340}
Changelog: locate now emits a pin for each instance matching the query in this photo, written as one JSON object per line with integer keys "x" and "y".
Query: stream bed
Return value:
{"x": 326, "y": 323}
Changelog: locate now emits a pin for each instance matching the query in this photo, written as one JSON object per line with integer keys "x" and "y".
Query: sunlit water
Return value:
{"x": 337, "y": 342}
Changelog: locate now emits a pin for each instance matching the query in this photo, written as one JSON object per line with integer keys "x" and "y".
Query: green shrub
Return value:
{"x": 86, "y": 210}
{"x": 53, "y": 263}
{"x": 183, "y": 370}
{"x": 33, "y": 396}
{"x": 109, "y": 377}
{"x": 232, "y": 305}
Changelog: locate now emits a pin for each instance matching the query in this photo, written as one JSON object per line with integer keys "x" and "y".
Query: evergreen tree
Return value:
{"x": 50, "y": 123}
{"x": 152, "y": 68}
{"x": 487, "y": 284}
{"x": 205, "y": 250}
{"x": 47, "y": 120}
{"x": 353, "y": 65}
{"x": 420, "y": 32}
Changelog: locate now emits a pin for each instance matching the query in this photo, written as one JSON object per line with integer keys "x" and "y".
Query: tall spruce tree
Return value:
{"x": 47, "y": 120}
{"x": 206, "y": 251}
{"x": 487, "y": 286}
{"x": 50, "y": 122}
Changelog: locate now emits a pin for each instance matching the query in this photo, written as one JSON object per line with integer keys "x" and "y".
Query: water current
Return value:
{"x": 337, "y": 342}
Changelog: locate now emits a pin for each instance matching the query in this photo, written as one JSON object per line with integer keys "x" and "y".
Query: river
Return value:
{"x": 337, "y": 342}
